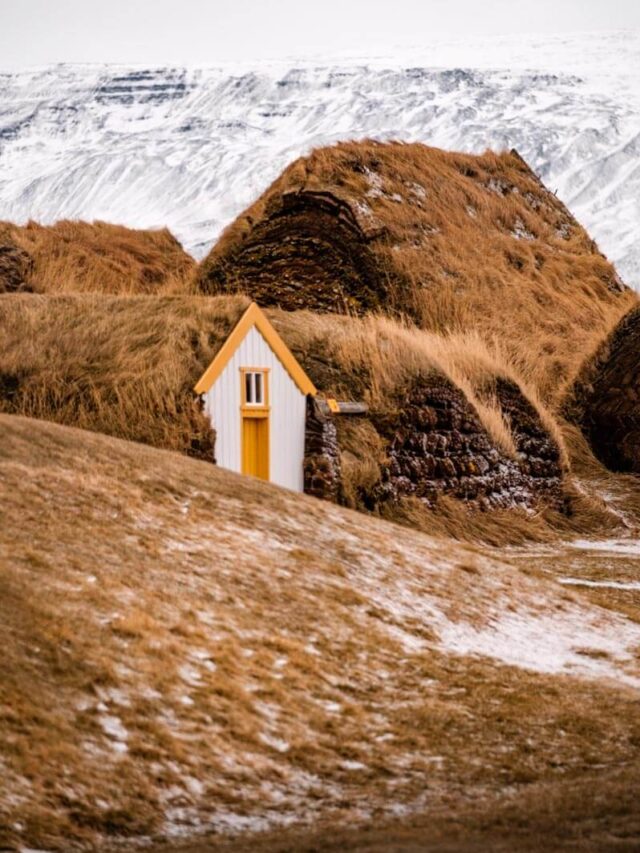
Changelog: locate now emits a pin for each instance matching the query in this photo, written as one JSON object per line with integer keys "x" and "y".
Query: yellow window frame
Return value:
{"x": 255, "y": 410}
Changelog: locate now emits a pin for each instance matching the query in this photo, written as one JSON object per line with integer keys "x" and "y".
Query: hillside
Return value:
{"x": 82, "y": 257}
{"x": 190, "y": 148}
{"x": 455, "y": 242}
{"x": 204, "y": 653}
{"x": 124, "y": 366}
{"x": 448, "y": 417}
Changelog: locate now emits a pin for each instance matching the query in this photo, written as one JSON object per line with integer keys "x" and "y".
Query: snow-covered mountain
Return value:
{"x": 191, "y": 147}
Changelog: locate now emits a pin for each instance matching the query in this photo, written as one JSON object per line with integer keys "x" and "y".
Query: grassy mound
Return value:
{"x": 446, "y": 414}
{"x": 124, "y": 366}
{"x": 447, "y": 417}
{"x": 96, "y": 257}
{"x": 204, "y": 652}
{"x": 456, "y": 242}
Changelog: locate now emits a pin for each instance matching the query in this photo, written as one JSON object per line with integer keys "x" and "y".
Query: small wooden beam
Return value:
{"x": 344, "y": 407}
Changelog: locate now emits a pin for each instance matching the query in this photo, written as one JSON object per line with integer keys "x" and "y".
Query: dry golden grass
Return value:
{"x": 188, "y": 651}
{"x": 97, "y": 257}
{"x": 596, "y": 813}
{"x": 126, "y": 366}
{"x": 376, "y": 356}
{"x": 465, "y": 243}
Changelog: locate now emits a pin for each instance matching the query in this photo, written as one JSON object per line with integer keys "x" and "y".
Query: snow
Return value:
{"x": 623, "y": 547}
{"x": 190, "y": 675}
{"x": 190, "y": 148}
{"x": 112, "y": 694}
{"x": 520, "y": 231}
{"x": 522, "y": 630}
{"x": 276, "y": 743}
{"x": 629, "y": 585}
{"x": 194, "y": 786}
{"x": 410, "y": 642}
{"x": 267, "y": 709}
{"x": 112, "y": 726}
{"x": 354, "y": 765}
{"x": 547, "y": 643}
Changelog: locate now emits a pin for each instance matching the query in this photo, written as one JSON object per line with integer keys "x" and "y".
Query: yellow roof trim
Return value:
{"x": 253, "y": 316}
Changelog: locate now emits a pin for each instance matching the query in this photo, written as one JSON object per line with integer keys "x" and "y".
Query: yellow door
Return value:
{"x": 255, "y": 447}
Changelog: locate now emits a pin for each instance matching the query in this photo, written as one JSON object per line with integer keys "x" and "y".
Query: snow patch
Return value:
{"x": 547, "y": 644}
{"x": 626, "y": 547}
{"x": 276, "y": 743}
{"x": 190, "y": 675}
{"x": 353, "y": 765}
{"x": 629, "y": 585}
{"x": 521, "y": 232}
{"x": 113, "y": 727}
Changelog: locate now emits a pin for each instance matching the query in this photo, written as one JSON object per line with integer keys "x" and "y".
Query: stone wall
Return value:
{"x": 539, "y": 456}
{"x": 437, "y": 445}
{"x": 322, "y": 475}
{"x": 309, "y": 252}
{"x": 16, "y": 266}
{"x": 605, "y": 399}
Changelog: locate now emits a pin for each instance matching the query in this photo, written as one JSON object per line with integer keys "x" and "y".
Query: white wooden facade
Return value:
{"x": 287, "y": 391}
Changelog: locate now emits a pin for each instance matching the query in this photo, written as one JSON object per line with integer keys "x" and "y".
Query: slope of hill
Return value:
{"x": 125, "y": 366}
{"x": 187, "y": 651}
{"x": 447, "y": 417}
{"x": 91, "y": 257}
{"x": 191, "y": 148}
{"x": 453, "y": 241}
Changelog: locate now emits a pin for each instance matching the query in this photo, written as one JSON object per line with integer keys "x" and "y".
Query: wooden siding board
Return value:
{"x": 288, "y": 412}
{"x": 253, "y": 317}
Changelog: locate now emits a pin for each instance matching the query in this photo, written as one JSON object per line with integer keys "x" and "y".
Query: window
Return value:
{"x": 254, "y": 388}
